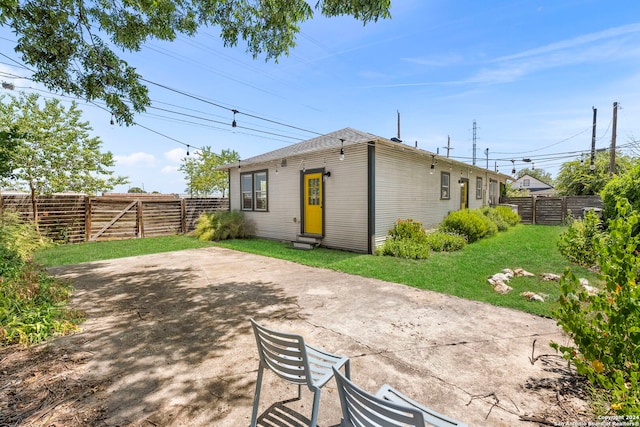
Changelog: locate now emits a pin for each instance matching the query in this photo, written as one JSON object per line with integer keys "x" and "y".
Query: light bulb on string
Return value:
{"x": 233, "y": 123}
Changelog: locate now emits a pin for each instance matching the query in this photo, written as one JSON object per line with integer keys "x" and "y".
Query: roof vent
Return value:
{"x": 394, "y": 139}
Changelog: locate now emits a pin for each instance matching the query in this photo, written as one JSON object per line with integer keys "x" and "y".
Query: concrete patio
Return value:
{"x": 170, "y": 336}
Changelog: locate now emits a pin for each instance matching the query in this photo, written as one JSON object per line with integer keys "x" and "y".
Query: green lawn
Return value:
{"x": 97, "y": 251}
{"x": 463, "y": 274}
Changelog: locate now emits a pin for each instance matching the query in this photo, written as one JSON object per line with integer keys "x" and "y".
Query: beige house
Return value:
{"x": 346, "y": 189}
{"x": 535, "y": 186}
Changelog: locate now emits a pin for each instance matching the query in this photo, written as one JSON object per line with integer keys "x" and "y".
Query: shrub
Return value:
{"x": 605, "y": 328}
{"x": 440, "y": 241}
{"x": 578, "y": 242}
{"x": 408, "y": 229}
{"x": 223, "y": 225}
{"x": 20, "y": 236}
{"x": 626, "y": 186}
{"x": 31, "y": 302}
{"x": 508, "y": 215}
{"x": 495, "y": 217}
{"x": 32, "y": 307}
{"x": 469, "y": 223}
{"x": 404, "y": 248}
{"x": 10, "y": 263}
{"x": 407, "y": 239}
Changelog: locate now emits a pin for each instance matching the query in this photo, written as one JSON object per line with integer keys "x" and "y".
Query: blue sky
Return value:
{"x": 528, "y": 73}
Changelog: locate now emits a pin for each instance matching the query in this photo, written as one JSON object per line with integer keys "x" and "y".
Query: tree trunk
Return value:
{"x": 34, "y": 205}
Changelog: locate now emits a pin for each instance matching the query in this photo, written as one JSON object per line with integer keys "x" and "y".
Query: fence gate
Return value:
{"x": 75, "y": 218}
{"x": 548, "y": 210}
{"x": 112, "y": 218}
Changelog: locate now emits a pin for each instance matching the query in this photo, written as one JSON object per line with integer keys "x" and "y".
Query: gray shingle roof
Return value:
{"x": 330, "y": 140}
{"x": 333, "y": 141}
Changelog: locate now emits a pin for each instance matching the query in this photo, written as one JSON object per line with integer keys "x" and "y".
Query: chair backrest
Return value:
{"x": 362, "y": 409}
{"x": 285, "y": 354}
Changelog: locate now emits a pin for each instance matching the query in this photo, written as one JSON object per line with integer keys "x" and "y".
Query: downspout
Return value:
{"x": 371, "y": 197}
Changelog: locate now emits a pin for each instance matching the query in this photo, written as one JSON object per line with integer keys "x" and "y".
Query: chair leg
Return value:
{"x": 314, "y": 410}
{"x": 256, "y": 398}
{"x": 299, "y": 391}
{"x": 347, "y": 370}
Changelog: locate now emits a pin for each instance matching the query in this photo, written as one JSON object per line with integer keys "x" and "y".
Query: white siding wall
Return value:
{"x": 345, "y": 203}
{"x": 281, "y": 221}
{"x": 405, "y": 188}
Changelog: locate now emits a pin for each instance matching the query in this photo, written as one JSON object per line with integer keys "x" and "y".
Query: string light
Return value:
{"x": 545, "y": 160}
{"x": 233, "y": 123}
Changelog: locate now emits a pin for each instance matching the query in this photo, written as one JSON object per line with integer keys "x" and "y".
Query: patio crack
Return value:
{"x": 490, "y": 398}
{"x": 495, "y": 403}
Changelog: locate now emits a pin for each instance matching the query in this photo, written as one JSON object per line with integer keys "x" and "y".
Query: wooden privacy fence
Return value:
{"x": 547, "y": 210}
{"x": 78, "y": 218}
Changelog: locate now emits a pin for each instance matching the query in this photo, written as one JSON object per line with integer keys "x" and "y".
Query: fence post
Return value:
{"x": 139, "y": 220}
{"x": 533, "y": 209}
{"x": 183, "y": 215}
{"x": 87, "y": 218}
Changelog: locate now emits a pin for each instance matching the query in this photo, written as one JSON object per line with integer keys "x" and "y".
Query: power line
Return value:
{"x": 233, "y": 110}
{"x": 550, "y": 145}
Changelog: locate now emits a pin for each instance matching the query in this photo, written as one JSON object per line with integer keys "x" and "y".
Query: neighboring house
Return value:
{"x": 534, "y": 185}
{"x": 346, "y": 189}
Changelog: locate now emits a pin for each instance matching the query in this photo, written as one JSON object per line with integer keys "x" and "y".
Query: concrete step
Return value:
{"x": 307, "y": 242}
{"x": 304, "y": 245}
{"x": 309, "y": 239}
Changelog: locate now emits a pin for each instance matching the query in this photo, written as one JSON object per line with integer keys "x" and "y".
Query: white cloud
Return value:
{"x": 176, "y": 155}
{"x": 136, "y": 159}
{"x": 575, "y": 42}
{"x": 437, "y": 61}
{"x": 169, "y": 169}
{"x": 598, "y": 47}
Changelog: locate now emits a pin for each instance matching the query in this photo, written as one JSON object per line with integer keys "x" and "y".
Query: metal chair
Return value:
{"x": 388, "y": 408}
{"x": 296, "y": 362}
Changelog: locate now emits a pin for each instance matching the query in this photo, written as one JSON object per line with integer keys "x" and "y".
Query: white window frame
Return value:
{"x": 445, "y": 187}
{"x": 254, "y": 190}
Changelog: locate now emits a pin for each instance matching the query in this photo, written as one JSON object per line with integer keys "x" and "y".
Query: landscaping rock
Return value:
{"x": 498, "y": 278}
{"x": 520, "y": 272}
{"x": 502, "y": 288}
{"x": 532, "y": 296}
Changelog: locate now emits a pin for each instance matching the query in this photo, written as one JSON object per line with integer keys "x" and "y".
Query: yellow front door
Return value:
{"x": 313, "y": 203}
{"x": 464, "y": 194}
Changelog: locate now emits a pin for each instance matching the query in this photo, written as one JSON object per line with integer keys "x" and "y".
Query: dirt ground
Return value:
{"x": 168, "y": 343}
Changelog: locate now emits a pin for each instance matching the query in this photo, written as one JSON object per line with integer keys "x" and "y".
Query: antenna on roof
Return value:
{"x": 397, "y": 138}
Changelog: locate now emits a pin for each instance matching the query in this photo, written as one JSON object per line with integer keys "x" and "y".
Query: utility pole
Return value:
{"x": 486, "y": 153}
{"x": 612, "y": 159}
{"x": 448, "y": 147}
{"x": 474, "y": 142}
{"x": 592, "y": 166}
